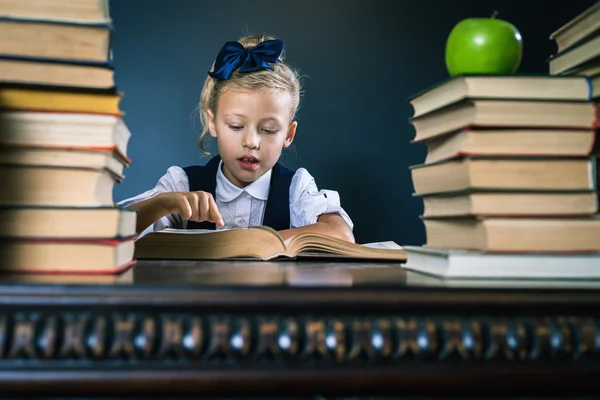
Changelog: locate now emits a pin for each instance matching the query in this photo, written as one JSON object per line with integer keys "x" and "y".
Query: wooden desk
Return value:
{"x": 232, "y": 328}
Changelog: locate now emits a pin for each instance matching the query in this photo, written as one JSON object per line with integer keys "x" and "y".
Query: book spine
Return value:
{"x": 104, "y": 24}
{"x": 59, "y": 61}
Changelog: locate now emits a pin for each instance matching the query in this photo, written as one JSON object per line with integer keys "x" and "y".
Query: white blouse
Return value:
{"x": 245, "y": 207}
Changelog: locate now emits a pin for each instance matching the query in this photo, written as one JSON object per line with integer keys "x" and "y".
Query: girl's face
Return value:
{"x": 252, "y": 128}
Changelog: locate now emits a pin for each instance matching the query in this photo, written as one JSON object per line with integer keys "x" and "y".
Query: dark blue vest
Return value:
{"x": 277, "y": 212}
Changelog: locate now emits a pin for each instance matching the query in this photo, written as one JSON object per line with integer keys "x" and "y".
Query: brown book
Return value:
{"x": 67, "y": 255}
{"x": 82, "y": 11}
{"x": 56, "y": 186}
{"x": 505, "y": 114}
{"x": 553, "y": 235}
{"x": 500, "y": 87}
{"x": 259, "y": 242}
{"x": 498, "y": 203}
{"x": 509, "y": 174}
{"x": 62, "y": 74}
{"x": 511, "y": 142}
{"x": 69, "y": 158}
{"x": 67, "y": 222}
{"x": 46, "y": 39}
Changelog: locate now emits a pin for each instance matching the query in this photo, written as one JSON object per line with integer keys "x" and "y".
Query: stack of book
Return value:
{"x": 509, "y": 184}
{"x": 63, "y": 141}
{"x": 578, "y": 54}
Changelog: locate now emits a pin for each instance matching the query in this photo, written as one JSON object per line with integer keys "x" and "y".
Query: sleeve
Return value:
{"x": 307, "y": 202}
{"x": 174, "y": 180}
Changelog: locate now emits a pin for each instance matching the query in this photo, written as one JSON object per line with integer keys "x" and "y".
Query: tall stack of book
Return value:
{"x": 509, "y": 183}
{"x": 63, "y": 141}
{"x": 578, "y": 54}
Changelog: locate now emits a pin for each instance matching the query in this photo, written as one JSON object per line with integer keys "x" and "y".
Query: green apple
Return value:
{"x": 484, "y": 46}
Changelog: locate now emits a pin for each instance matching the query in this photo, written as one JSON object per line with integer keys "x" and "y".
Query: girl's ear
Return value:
{"x": 211, "y": 123}
{"x": 290, "y": 135}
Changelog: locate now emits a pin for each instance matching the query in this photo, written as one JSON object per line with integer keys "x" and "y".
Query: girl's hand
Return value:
{"x": 194, "y": 206}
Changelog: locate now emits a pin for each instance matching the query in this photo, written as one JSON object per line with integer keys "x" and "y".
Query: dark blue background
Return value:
{"x": 361, "y": 60}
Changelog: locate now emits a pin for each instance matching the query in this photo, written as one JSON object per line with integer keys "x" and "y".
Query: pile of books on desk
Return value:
{"x": 578, "y": 54}
{"x": 63, "y": 141}
{"x": 509, "y": 183}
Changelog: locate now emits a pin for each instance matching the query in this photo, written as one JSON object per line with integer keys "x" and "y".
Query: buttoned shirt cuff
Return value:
{"x": 314, "y": 205}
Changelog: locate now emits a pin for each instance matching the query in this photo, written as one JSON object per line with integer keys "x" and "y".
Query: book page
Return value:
{"x": 389, "y": 245}
{"x": 194, "y": 231}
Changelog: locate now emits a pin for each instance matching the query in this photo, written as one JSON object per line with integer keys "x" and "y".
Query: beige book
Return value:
{"x": 64, "y": 130}
{"x": 553, "y": 235}
{"x": 517, "y": 174}
{"x": 498, "y": 87}
{"x": 82, "y": 11}
{"x": 57, "y": 41}
{"x": 578, "y": 28}
{"x": 56, "y": 74}
{"x": 505, "y": 114}
{"x": 50, "y": 157}
{"x": 463, "y": 204}
{"x": 511, "y": 142}
{"x": 56, "y": 186}
{"x": 472, "y": 268}
{"x": 75, "y": 256}
{"x": 67, "y": 222}
{"x": 588, "y": 69}
{"x": 575, "y": 56}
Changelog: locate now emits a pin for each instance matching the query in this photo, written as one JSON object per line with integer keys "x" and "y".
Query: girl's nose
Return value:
{"x": 251, "y": 139}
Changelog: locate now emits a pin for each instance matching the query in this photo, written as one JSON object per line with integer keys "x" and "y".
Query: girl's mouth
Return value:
{"x": 248, "y": 162}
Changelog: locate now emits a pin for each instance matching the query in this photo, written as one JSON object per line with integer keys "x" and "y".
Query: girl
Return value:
{"x": 248, "y": 103}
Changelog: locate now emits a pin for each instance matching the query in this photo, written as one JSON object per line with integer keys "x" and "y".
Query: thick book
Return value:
{"x": 452, "y": 264}
{"x": 259, "y": 243}
{"x": 67, "y": 255}
{"x": 511, "y": 142}
{"x": 576, "y": 56}
{"x": 577, "y": 29}
{"x": 589, "y": 69}
{"x": 505, "y": 114}
{"x": 67, "y": 222}
{"x": 501, "y": 87}
{"x": 515, "y": 235}
{"x": 56, "y": 186}
{"x": 60, "y": 73}
{"x": 86, "y": 12}
{"x": 506, "y": 174}
{"x": 507, "y": 203}
{"x": 59, "y": 100}
{"x": 55, "y": 40}
{"x": 65, "y": 158}
{"x": 62, "y": 130}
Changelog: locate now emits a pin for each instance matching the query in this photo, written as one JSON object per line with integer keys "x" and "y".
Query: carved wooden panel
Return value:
{"x": 213, "y": 339}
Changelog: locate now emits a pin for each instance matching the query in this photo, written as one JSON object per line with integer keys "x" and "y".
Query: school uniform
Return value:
{"x": 281, "y": 198}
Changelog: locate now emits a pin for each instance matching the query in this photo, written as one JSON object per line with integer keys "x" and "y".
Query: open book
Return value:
{"x": 258, "y": 242}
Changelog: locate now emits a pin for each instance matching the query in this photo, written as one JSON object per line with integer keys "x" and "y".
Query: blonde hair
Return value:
{"x": 282, "y": 79}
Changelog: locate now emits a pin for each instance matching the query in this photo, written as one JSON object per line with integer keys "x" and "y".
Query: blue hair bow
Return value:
{"x": 233, "y": 55}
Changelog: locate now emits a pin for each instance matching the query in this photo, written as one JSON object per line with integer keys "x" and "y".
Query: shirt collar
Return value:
{"x": 227, "y": 191}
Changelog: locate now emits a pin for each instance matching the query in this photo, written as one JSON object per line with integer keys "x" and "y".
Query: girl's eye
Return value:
{"x": 235, "y": 127}
{"x": 270, "y": 131}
